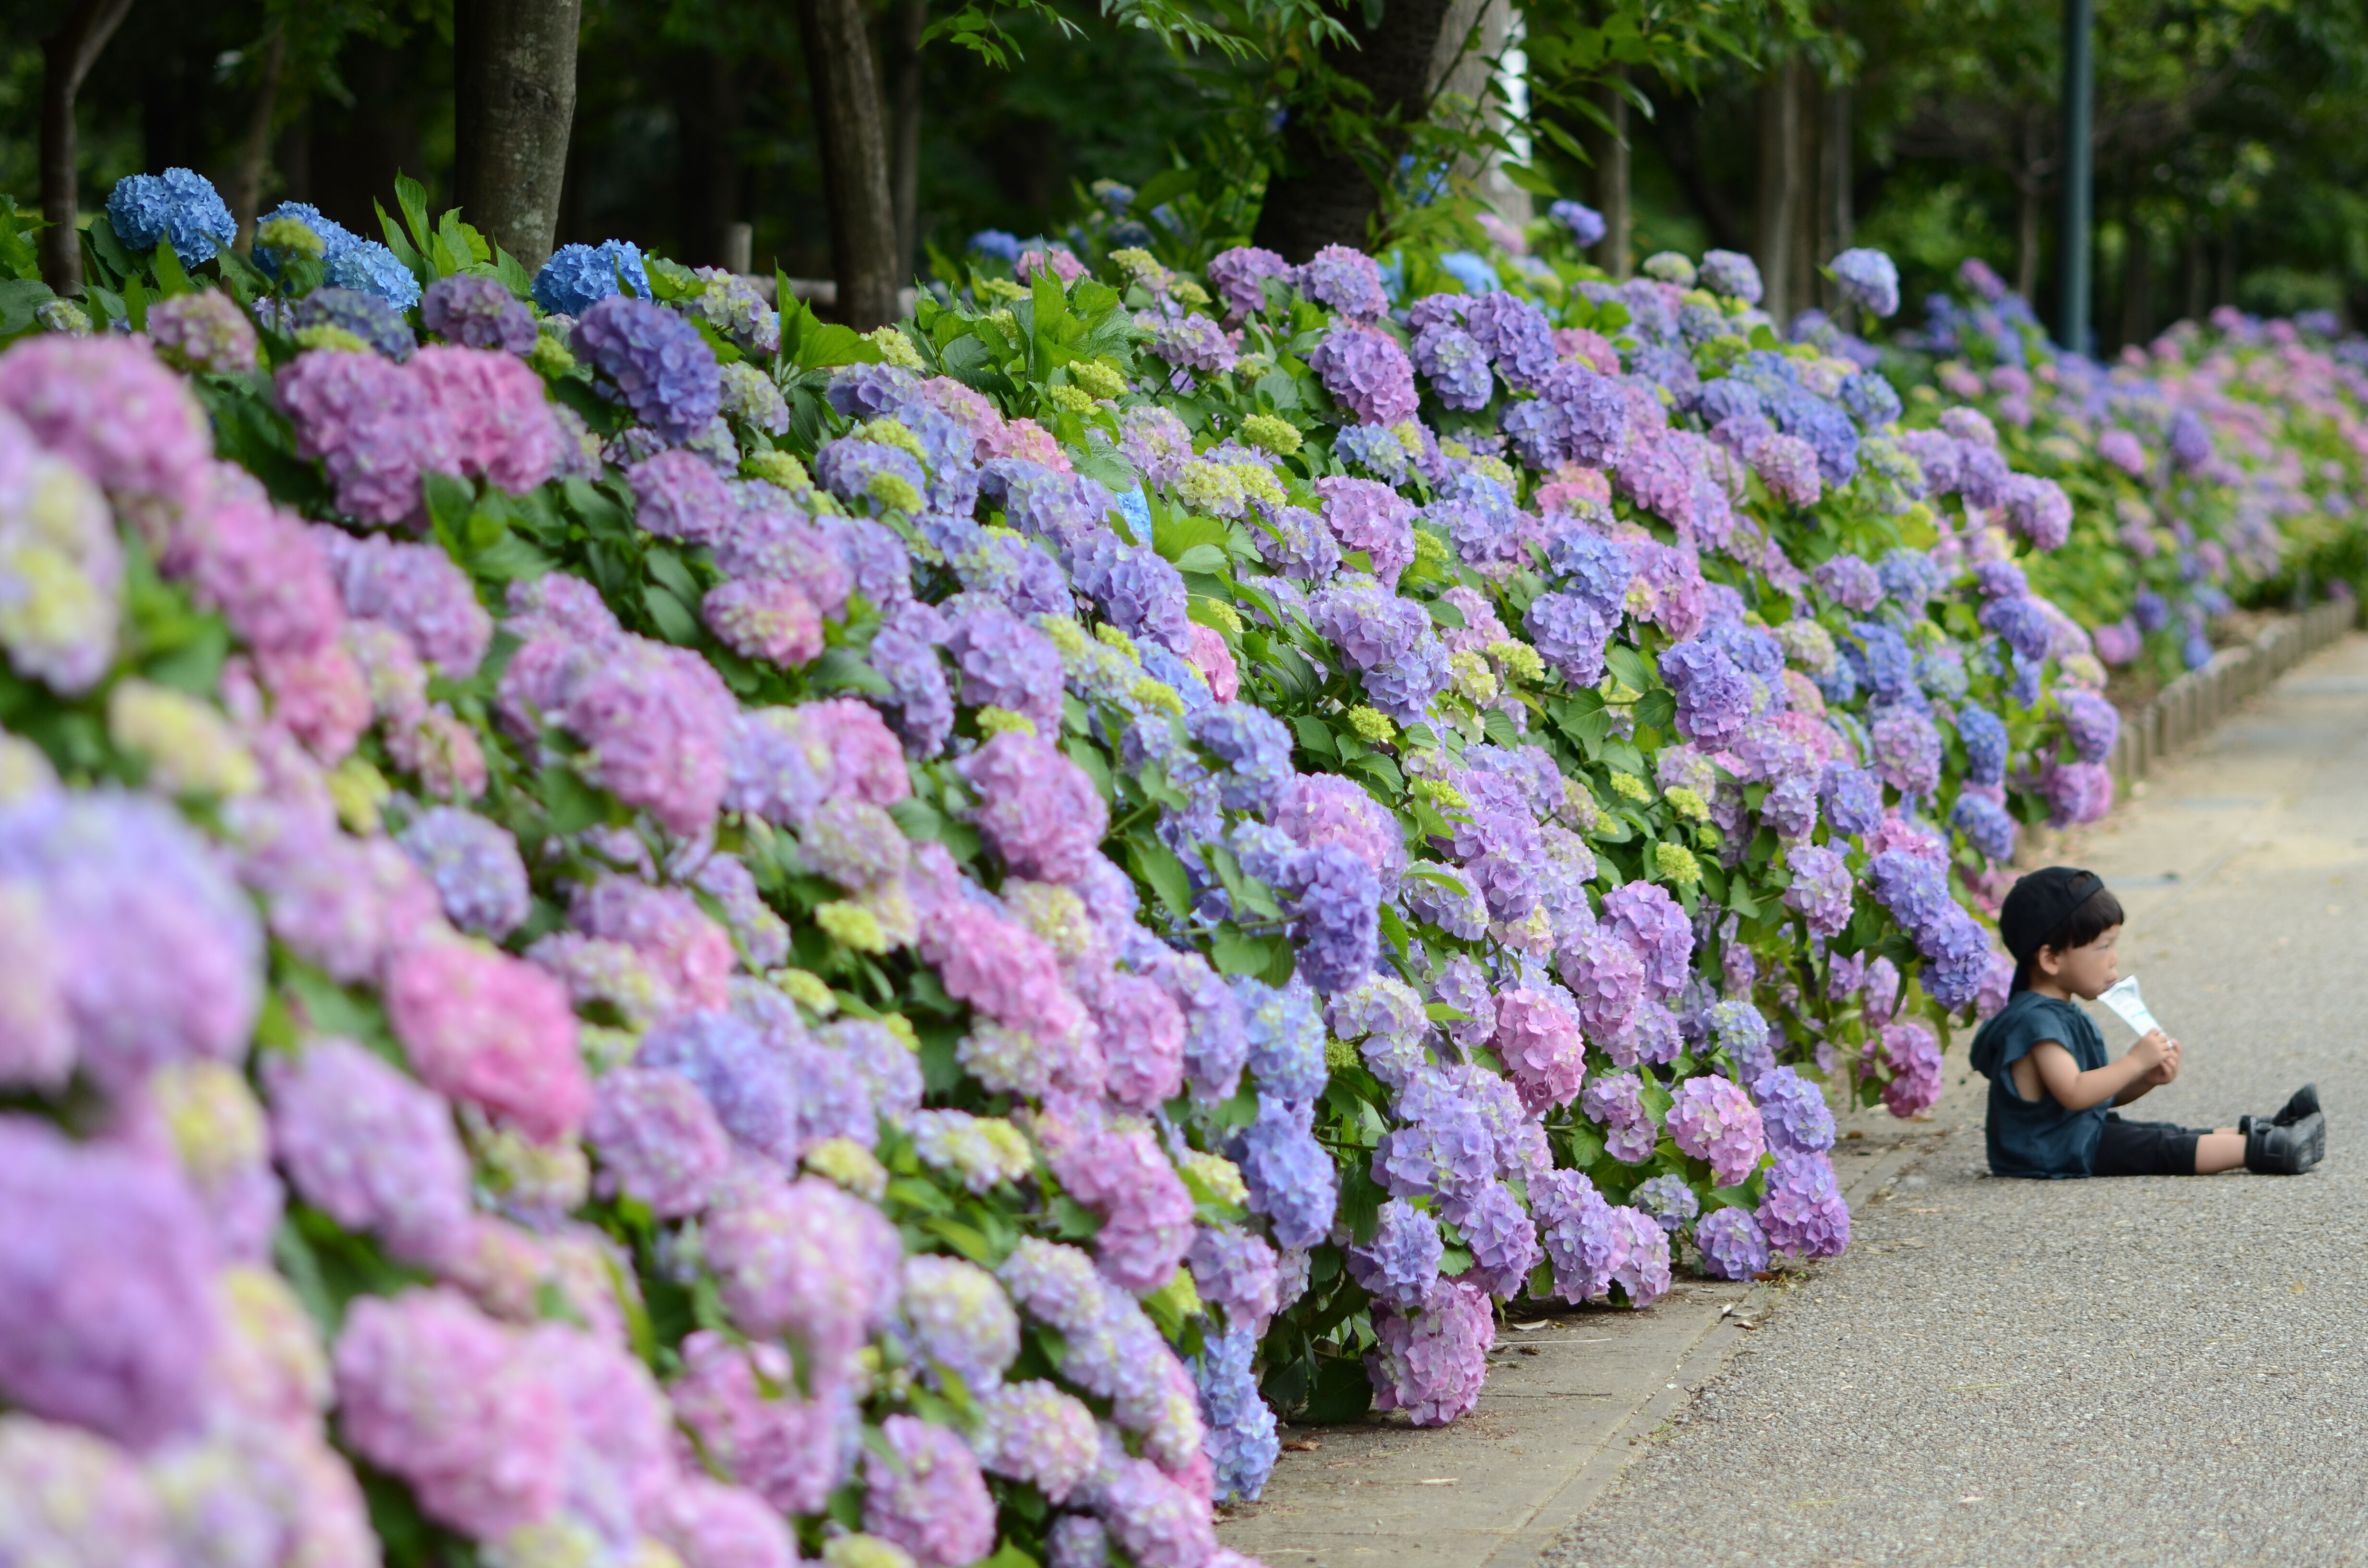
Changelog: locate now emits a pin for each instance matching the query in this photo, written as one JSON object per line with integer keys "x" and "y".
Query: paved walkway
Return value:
{"x": 2146, "y": 1371}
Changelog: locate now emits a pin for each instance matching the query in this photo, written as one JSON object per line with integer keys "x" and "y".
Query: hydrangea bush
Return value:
{"x": 678, "y": 937}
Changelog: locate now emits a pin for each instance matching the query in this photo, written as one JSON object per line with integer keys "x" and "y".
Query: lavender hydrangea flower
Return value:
{"x": 1367, "y": 373}
{"x": 106, "y": 1314}
{"x": 960, "y": 1319}
{"x": 1668, "y": 1200}
{"x": 1792, "y": 1112}
{"x": 1869, "y": 279}
{"x": 475, "y": 866}
{"x": 1346, "y": 280}
{"x": 1804, "y": 1212}
{"x": 1906, "y": 751}
{"x": 1570, "y": 634}
{"x": 654, "y": 362}
{"x": 1733, "y": 1246}
{"x": 1730, "y": 273}
{"x": 1852, "y": 799}
{"x": 1400, "y": 1265}
{"x": 1290, "y": 1176}
{"x": 1985, "y": 823}
{"x": 480, "y": 312}
{"x": 371, "y": 1148}
{"x": 657, "y": 1139}
{"x": 1237, "y": 275}
{"x": 1822, "y": 889}
{"x": 1454, "y": 365}
{"x": 2090, "y": 723}
{"x": 1586, "y": 225}
{"x": 1430, "y": 1362}
{"x": 1653, "y": 923}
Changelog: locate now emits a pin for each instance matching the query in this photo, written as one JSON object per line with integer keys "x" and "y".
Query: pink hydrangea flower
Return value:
{"x": 765, "y": 618}
{"x": 1141, "y": 1040}
{"x": 925, "y": 1493}
{"x": 1537, "y": 1036}
{"x": 1055, "y": 262}
{"x": 497, "y": 410}
{"x": 106, "y": 404}
{"x": 1146, "y": 1213}
{"x": 261, "y": 567}
{"x": 376, "y": 427}
{"x": 743, "y": 1402}
{"x": 1214, "y": 660}
{"x": 658, "y": 1140}
{"x": 804, "y": 1259}
{"x": 1430, "y": 1362}
{"x": 483, "y": 1026}
{"x": 431, "y": 1390}
{"x": 683, "y": 945}
{"x": 1038, "y": 810}
{"x": 319, "y": 694}
{"x": 711, "y": 1525}
{"x": 1713, "y": 1119}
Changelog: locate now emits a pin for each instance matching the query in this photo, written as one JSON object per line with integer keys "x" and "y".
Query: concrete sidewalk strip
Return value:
{"x": 2132, "y": 1371}
{"x": 1567, "y": 1403}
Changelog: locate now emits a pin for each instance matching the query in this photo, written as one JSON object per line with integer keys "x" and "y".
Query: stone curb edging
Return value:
{"x": 2194, "y": 704}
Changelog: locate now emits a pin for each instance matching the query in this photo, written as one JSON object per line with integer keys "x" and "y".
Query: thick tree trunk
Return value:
{"x": 1615, "y": 256}
{"x": 1840, "y": 218}
{"x": 1780, "y": 194}
{"x": 67, "y": 56}
{"x": 513, "y": 105}
{"x": 2138, "y": 277}
{"x": 1321, "y": 195}
{"x": 2026, "y": 214}
{"x": 854, "y": 136}
{"x": 255, "y": 148}
{"x": 906, "y": 20}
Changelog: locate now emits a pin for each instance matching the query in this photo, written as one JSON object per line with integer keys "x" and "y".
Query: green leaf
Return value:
{"x": 1342, "y": 1392}
{"x": 1629, "y": 666}
{"x": 1157, "y": 864}
{"x": 1500, "y": 728}
{"x": 170, "y": 278}
{"x": 1657, "y": 708}
{"x": 1183, "y": 533}
{"x": 1203, "y": 558}
{"x": 1237, "y": 952}
{"x": 1447, "y": 615}
{"x": 676, "y": 621}
{"x": 513, "y": 273}
{"x": 412, "y": 197}
{"x": 571, "y": 803}
{"x": 812, "y": 343}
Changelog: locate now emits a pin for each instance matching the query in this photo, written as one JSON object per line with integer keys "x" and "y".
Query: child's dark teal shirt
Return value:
{"x": 2038, "y": 1138}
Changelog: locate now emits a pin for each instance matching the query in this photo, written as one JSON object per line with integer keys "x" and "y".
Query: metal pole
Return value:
{"x": 2079, "y": 170}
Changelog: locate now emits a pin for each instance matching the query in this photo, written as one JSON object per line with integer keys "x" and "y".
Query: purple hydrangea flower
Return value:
{"x": 1400, "y": 1265}
{"x": 1730, "y": 273}
{"x": 1033, "y": 1432}
{"x": 106, "y": 1312}
{"x": 1713, "y": 699}
{"x": 1236, "y": 276}
{"x": 1804, "y": 1212}
{"x": 1237, "y": 1271}
{"x": 1345, "y": 279}
{"x": 371, "y": 1148}
{"x": 1655, "y": 926}
{"x": 1137, "y": 590}
{"x": 803, "y": 1259}
{"x": 475, "y": 866}
{"x": 1454, "y": 365}
{"x": 657, "y": 1139}
{"x": 1367, "y": 373}
{"x": 2092, "y": 723}
{"x": 1985, "y": 823}
{"x": 1587, "y": 226}
{"x": 924, "y": 1492}
{"x": 1515, "y": 334}
{"x": 1851, "y": 583}
{"x": 1869, "y": 279}
{"x": 1240, "y": 1442}
{"x": 1906, "y": 751}
{"x": 653, "y": 361}
{"x": 1733, "y": 1247}
{"x": 1502, "y": 1241}
{"x": 1822, "y": 889}
{"x": 1852, "y": 799}
{"x": 479, "y": 313}
{"x": 1792, "y": 1112}
{"x": 1569, "y": 632}
{"x": 366, "y": 315}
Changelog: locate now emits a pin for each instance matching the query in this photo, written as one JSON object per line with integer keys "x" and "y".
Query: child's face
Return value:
{"x": 2085, "y": 972}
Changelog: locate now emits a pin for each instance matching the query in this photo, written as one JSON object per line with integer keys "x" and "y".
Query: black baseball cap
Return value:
{"x": 2040, "y": 904}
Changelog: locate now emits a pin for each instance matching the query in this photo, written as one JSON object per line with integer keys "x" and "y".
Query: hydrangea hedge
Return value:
{"x": 646, "y": 932}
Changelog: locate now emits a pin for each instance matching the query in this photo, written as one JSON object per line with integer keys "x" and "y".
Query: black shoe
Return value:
{"x": 2271, "y": 1150}
{"x": 2304, "y": 1103}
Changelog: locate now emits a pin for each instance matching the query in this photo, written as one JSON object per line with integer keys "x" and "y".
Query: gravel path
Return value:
{"x": 2157, "y": 1370}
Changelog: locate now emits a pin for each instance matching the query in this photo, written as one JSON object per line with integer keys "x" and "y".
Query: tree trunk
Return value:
{"x": 906, "y": 19}
{"x": 2026, "y": 210}
{"x": 849, "y": 125}
{"x": 255, "y": 148}
{"x": 514, "y": 104}
{"x": 1321, "y": 195}
{"x": 1779, "y": 194}
{"x": 1612, "y": 183}
{"x": 67, "y": 56}
{"x": 1839, "y": 217}
{"x": 2137, "y": 273}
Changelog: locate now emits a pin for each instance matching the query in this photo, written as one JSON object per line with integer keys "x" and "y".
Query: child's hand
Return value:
{"x": 2151, "y": 1052}
{"x": 2165, "y": 1071}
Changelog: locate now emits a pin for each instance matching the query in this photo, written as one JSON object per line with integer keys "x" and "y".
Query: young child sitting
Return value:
{"x": 2051, "y": 1082}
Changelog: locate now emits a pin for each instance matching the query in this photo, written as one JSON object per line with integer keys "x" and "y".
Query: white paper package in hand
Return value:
{"x": 2129, "y": 1007}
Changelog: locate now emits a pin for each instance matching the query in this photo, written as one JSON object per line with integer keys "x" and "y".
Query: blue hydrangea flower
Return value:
{"x": 1454, "y": 364}
{"x": 335, "y": 238}
{"x": 1869, "y": 279}
{"x": 1983, "y": 734}
{"x": 999, "y": 244}
{"x": 1733, "y": 1246}
{"x": 1401, "y": 1263}
{"x": 1792, "y": 1111}
{"x": 1730, "y": 273}
{"x": 180, "y": 205}
{"x": 577, "y": 277}
{"x": 1870, "y": 398}
{"x": 1986, "y": 824}
{"x": 1669, "y": 1200}
{"x": 1852, "y": 799}
{"x": 1290, "y": 1176}
{"x": 366, "y": 266}
{"x": 1587, "y": 226}
{"x": 1239, "y": 1434}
